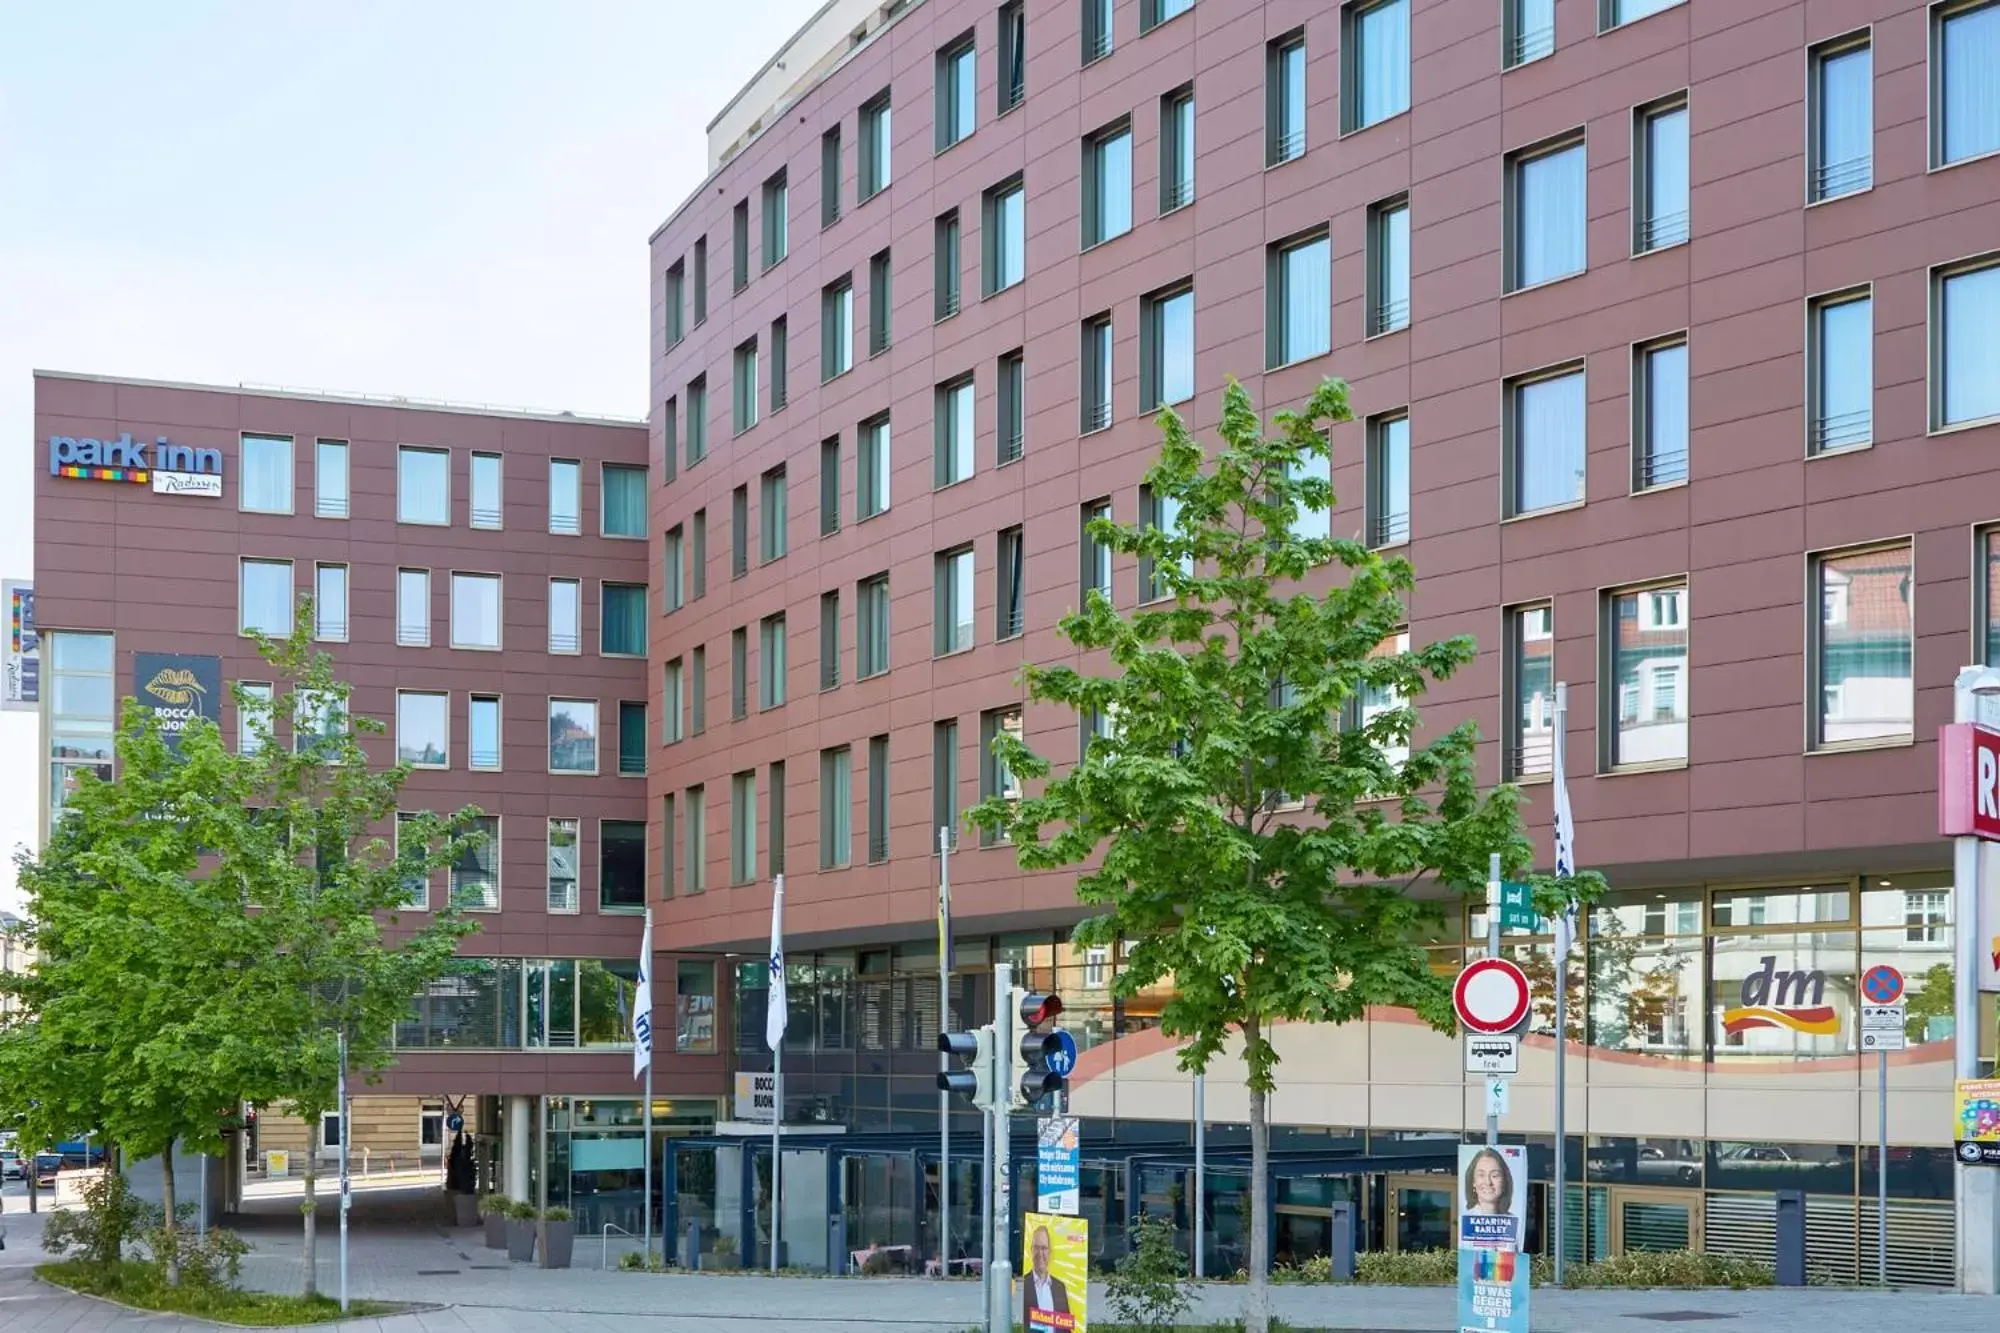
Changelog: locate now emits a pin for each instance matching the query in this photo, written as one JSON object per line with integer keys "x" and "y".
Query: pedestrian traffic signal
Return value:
{"x": 977, "y": 1080}
{"x": 1046, "y": 1056}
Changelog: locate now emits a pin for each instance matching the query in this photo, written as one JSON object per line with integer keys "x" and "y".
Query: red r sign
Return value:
{"x": 1968, "y": 781}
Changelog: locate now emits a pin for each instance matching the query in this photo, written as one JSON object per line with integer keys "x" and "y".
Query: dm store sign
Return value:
{"x": 179, "y": 688}
{"x": 173, "y": 469}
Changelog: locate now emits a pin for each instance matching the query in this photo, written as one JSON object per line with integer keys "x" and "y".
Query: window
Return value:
{"x": 829, "y": 639}
{"x": 1986, "y": 594}
{"x": 475, "y": 871}
{"x": 836, "y": 808}
{"x": 945, "y": 257}
{"x": 670, "y": 439}
{"x": 1545, "y": 212}
{"x": 739, "y": 532}
{"x": 1177, "y": 149}
{"x": 1094, "y": 367}
{"x": 952, "y": 451}
{"x": 881, "y": 301}
{"x": 330, "y": 603}
{"x": 1840, "y": 97}
{"x": 475, "y": 611}
{"x": 871, "y": 627}
{"x": 1660, "y": 176}
{"x": 565, "y": 616}
{"x": 1660, "y": 414}
{"x": 743, "y": 827}
{"x": 1646, "y": 710}
{"x": 957, "y": 92}
{"x": 1010, "y": 616}
{"x": 1862, "y": 645}
{"x": 1013, "y": 54}
{"x": 1285, "y": 99}
{"x": 673, "y": 593}
{"x": 771, "y": 500}
{"x": 622, "y": 627}
{"x": 698, "y": 690}
{"x": 572, "y": 735}
{"x": 1011, "y": 410}
{"x": 565, "y": 848}
{"x": 413, "y": 608}
{"x": 875, "y": 137}
{"x": 1164, "y": 513}
{"x": 1611, "y": 13}
{"x": 774, "y": 797}
{"x": 1004, "y": 220}
{"x": 700, "y": 280}
{"x": 1299, "y": 288}
{"x": 417, "y": 886}
{"x": 621, "y": 865}
{"x": 1388, "y": 468}
{"x": 1371, "y": 701}
{"x": 1529, "y": 698}
{"x": 675, "y": 300}
{"x": 739, "y": 673}
{"x": 694, "y": 856}
{"x": 1375, "y": 82}
{"x": 836, "y": 329}
{"x": 739, "y": 236}
{"x": 483, "y": 726}
{"x": 83, "y": 703}
{"x": 623, "y": 501}
{"x": 1965, "y": 317}
{"x": 698, "y": 559}
{"x": 995, "y": 777}
{"x": 673, "y": 697}
{"x": 697, "y": 419}
{"x": 829, "y": 177}
{"x": 565, "y": 497}
{"x": 944, "y": 779}
{"x": 1965, "y": 50}
{"x": 1527, "y": 31}
{"x": 1544, "y": 430}
{"x": 253, "y": 716}
{"x": 829, "y": 486}
{"x": 486, "y": 502}
{"x": 777, "y": 219}
{"x": 1107, "y": 184}
{"x": 743, "y": 380}
{"x": 694, "y": 1007}
{"x": 423, "y": 485}
{"x": 878, "y": 799}
{"x": 264, "y": 598}
{"x": 953, "y": 600}
{"x": 1096, "y": 564}
{"x": 872, "y": 472}
{"x": 318, "y": 720}
{"x": 1152, "y": 13}
{"x": 267, "y": 474}
{"x": 771, "y": 658}
{"x": 1166, "y": 349}
{"x": 1312, "y": 524}
{"x": 329, "y": 479}
{"x": 1096, "y": 29}
{"x": 1840, "y": 370}
{"x": 1389, "y": 266}
{"x": 1926, "y": 917}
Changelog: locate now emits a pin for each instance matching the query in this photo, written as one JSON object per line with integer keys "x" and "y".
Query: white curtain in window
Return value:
{"x": 963, "y": 600}
{"x": 330, "y": 479}
{"x": 1666, "y": 415}
{"x": 267, "y": 597}
{"x": 1308, "y": 293}
{"x": 1667, "y": 178}
{"x": 422, "y": 481}
{"x": 1846, "y": 373}
{"x": 330, "y": 602}
{"x": 1536, "y": 33}
{"x": 1009, "y": 247}
{"x": 1847, "y": 121}
{"x": 413, "y": 607}
{"x": 1383, "y": 62}
{"x": 485, "y": 490}
{"x": 1972, "y": 344}
{"x": 565, "y": 496}
{"x": 1970, "y": 97}
{"x": 267, "y": 474}
{"x": 1177, "y": 348}
{"x": 961, "y": 429}
{"x": 1393, "y": 480}
{"x": 1396, "y": 268}
{"x": 1292, "y": 70}
{"x": 475, "y": 610}
{"x": 1550, "y": 221}
{"x": 565, "y": 617}
{"x": 1114, "y": 186}
{"x": 1548, "y": 442}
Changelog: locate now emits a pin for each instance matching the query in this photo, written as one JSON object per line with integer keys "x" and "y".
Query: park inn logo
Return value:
{"x": 172, "y": 469}
{"x": 1774, "y": 999}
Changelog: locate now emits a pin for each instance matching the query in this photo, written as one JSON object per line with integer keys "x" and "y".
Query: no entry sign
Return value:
{"x": 1491, "y": 995}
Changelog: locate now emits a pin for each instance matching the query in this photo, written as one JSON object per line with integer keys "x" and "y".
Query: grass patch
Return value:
{"x": 137, "y": 1284}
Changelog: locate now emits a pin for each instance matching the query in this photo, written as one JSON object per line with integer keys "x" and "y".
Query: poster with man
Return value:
{"x": 1054, "y": 1273}
{"x": 1493, "y": 1263}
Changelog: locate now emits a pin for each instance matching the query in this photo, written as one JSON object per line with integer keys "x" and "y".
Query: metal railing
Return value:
{"x": 330, "y": 506}
{"x": 484, "y": 759}
{"x": 1388, "y": 529}
{"x": 1096, "y": 46}
{"x": 1012, "y": 445}
{"x": 564, "y": 641}
{"x": 1833, "y": 179}
{"x": 565, "y": 525}
{"x": 483, "y": 517}
{"x": 1660, "y": 468}
{"x": 1841, "y": 430}
{"x": 1097, "y": 416}
{"x": 1392, "y": 315}
{"x": 1176, "y": 194}
{"x": 1286, "y": 146}
{"x": 947, "y": 302}
{"x": 1530, "y": 45}
{"x": 604, "y": 1248}
{"x": 1663, "y": 229}
{"x": 408, "y": 636}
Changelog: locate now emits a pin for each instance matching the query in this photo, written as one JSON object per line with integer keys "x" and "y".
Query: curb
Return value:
{"x": 402, "y": 1308}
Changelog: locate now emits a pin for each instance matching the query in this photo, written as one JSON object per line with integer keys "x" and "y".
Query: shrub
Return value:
{"x": 111, "y": 1217}
{"x": 520, "y": 1210}
{"x": 1319, "y": 1268}
{"x": 1675, "y": 1268}
{"x": 1147, "y": 1288}
{"x": 1411, "y": 1268}
{"x": 211, "y": 1260}
{"x": 555, "y": 1214}
{"x": 632, "y": 1261}
{"x": 493, "y": 1205}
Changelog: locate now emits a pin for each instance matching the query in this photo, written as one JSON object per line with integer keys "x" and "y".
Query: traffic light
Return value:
{"x": 1046, "y": 1056}
{"x": 976, "y": 1080}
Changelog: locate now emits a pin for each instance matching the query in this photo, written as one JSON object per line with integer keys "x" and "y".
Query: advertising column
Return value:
{"x": 1493, "y": 1264}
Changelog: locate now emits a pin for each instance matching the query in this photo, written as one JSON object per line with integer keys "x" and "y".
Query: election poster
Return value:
{"x": 1055, "y": 1273}
{"x": 1493, "y": 1262}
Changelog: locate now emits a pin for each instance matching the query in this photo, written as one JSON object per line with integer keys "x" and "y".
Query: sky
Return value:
{"x": 445, "y": 199}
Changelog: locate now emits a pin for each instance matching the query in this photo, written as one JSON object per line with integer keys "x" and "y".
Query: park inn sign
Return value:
{"x": 173, "y": 469}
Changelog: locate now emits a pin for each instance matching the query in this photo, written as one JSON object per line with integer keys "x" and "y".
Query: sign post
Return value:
{"x": 1883, "y": 1015}
{"x": 1491, "y": 998}
{"x": 1492, "y": 1196}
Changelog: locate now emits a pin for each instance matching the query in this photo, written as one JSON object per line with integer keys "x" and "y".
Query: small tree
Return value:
{"x": 1261, "y": 813}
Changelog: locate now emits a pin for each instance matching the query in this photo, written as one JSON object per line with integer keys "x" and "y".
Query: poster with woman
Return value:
{"x": 1492, "y": 1190}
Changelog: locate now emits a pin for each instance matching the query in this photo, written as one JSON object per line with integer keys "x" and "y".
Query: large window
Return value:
{"x": 1660, "y": 176}
{"x": 743, "y": 827}
{"x": 944, "y": 778}
{"x": 673, "y": 592}
{"x": 957, "y": 92}
{"x": 330, "y": 603}
{"x": 1011, "y": 411}
{"x": 1315, "y": 524}
{"x": 1013, "y": 54}
{"x": 875, "y": 140}
{"x": 771, "y": 661}
{"x": 836, "y": 329}
{"x": 1285, "y": 99}
{"x": 264, "y": 598}
{"x": 1375, "y": 84}
{"x": 953, "y": 434}
{"x": 829, "y": 639}
{"x": 413, "y": 608}
{"x": 1164, "y": 513}
{"x": 572, "y": 735}
{"x": 621, "y": 631}
{"x": 739, "y": 673}
{"x": 1094, "y": 369}
{"x": 487, "y": 509}
{"x": 416, "y": 886}
{"x": 475, "y": 871}
{"x": 694, "y": 854}
{"x": 829, "y": 177}
{"x": 319, "y": 721}
{"x": 777, "y": 219}
{"x": 1660, "y": 413}
{"x": 565, "y": 852}
{"x": 1372, "y": 701}
{"x": 1840, "y": 95}
{"x": 1096, "y": 29}
{"x": 1645, "y": 993}
{"x": 423, "y": 728}
{"x": 675, "y": 300}
{"x": 83, "y": 708}
{"x": 1545, "y": 442}
{"x": 1965, "y": 322}
{"x": 945, "y": 261}
{"x": 996, "y": 779}
{"x": 1299, "y": 288}
{"x": 1840, "y": 371}
{"x": 698, "y": 690}
{"x": 1005, "y": 235}
{"x": 565, "y": 616}
{"x": 697, "y": 419}
{"x": 624, "y": 501}
{"x": 871, "y": 621}
{"x": 881, "y": 303}
{"x": 774, "y": 804}
{"x": 1095, "y": 573}
{"x": 739, "y": 237}
{"x": 267, "y": 474}
{"x": 565, "y": 496}
{"x": 253, "y": 718}
{"x": 739, "y": 532}
{"x": 1177, "y": 149}
{"x": 872, "y": 467}
{"x": 744, "y": 390}
{"x": 1166, "y": 348}
{"x": 694, "y": 1008}
{"x": 1527, "y": 32}
{"x": 1388, "y": 469}
{"x": 698, "y": 553}
{"x": 836, "y": 808}
{"x": 781, "y": 338}
{"x": 1389, "y": 266}
{"x": 698, "y": 280}
{"x": 673, "y": 696}
{"x": 1545, "y": 214}
{"x": 1646, "y": 708}
{"x": 1530, "y": 699}
{"x": 829, "y": 486}
{"x": 1107, "y": 184}
{"x": 772, "y": 538}
{"x": 1010, "y": 613}
{"x": 878, "y": 799}
{"x": 330, "y": 479}
{"x": 483, "y": 724}
{"x": 423, "y": 485}
{"x": 953, "y": 602}
{"x": 1863, "y": 645}
{"x": 1965, "y": 108}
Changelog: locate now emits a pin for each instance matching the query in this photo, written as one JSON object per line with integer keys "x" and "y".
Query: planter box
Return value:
{"x": 558, "y": 1240}
{"x": 520, "y": 1241}
{"x": 465, "y": 1209}
{"x": 496, "y": 1231}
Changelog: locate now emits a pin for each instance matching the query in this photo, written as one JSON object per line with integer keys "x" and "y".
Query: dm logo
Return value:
{"x": 1774, "y": 999}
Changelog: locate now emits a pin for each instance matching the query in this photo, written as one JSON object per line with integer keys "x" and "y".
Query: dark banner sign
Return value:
{"x": 178, "y": 687}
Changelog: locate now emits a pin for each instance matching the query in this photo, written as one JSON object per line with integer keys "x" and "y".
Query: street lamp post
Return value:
{"x": 1975, "y": 698}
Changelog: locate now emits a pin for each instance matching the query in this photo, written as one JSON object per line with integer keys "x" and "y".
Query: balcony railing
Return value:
{"x": 564, "y": 641}
{"x": 1176, "y": 194}
{"x": 1096, "y": 416}
{"x": 1011, "y": 445}
{"x": 1843, "y": 430}
{"x": 1530, "y": 45}
{"x": 1388, "y": 529}
{"x": 413, "y": 636}
{"x": 483, "y": 757}
{"x": 1662, "y": 230}
{"x": 1391, "y": 315}
{"x": 1662, "y": 467}
{"x": 565, "y": 525}
{"x": 1833, "y": 179}
{"x": 330, "y": 506}
{"x": 1288, "y": 145}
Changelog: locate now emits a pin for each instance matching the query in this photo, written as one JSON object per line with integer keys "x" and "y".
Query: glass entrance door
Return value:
{"x": 1420, "y": 1213}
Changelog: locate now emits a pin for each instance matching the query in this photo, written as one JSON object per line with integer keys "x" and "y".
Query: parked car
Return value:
{"x": 46, "y": 1166}
{"x": 11, "y": 1165}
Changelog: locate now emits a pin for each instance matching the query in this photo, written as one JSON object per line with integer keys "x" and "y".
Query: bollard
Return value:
{"x": 1343, "y": 1241}
{"x": 1791, "y": 1238}
{"x": 836, "y": 1245}
{"x": 691, "y": 1247}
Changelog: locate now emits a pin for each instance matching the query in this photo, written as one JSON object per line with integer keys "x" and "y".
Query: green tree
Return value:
{"x": 1259, "y": 812}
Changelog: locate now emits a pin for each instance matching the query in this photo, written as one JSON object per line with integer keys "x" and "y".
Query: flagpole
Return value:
{"x": 944, "y": 1060}
{"x": 646, "y": 1205}
{"x": 774, "y": 1035}
{"x": 1563, "y": 932}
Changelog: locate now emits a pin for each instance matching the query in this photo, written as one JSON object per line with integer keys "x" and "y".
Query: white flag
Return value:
{"x": 642, "y": 1005}
{"x": 1565, "y": 835}
{"x": 775, "y": 1014}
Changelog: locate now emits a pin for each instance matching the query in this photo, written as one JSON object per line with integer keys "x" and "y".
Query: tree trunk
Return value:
{"x": 173, "y": 1239}
{"x": 1257, "y": 1295}
{"x": 311, "y": 1210}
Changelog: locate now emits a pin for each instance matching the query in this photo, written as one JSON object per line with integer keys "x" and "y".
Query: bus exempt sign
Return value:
{"x": 1491, "y": 995}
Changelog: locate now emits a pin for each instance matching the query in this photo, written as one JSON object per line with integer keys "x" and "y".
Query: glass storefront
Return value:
{"x": 596, "y": 1156}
